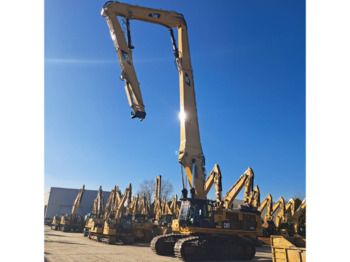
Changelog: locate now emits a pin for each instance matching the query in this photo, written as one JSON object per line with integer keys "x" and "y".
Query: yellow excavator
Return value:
{"x": 96, "y": 228}
{"x": 55, "y": 224}
{"x": 290, "y": 246}
{"x": 137, "y": 213}
{"x": 174, "y": 207}
{"x": 299, "y": 230}
{"x": 281, "y": 221}
{"x": 214, "y": 178}
{"x": 141, "y": 224}
{"x": 162, "y": 213}
{"x": 268, "y": 225}
{"x": 114, "y": 226}
{"x": 73, "y": 222}
{"x": 272, "y": 228}
{"x": 203, "y": 230}
{"x": 97, "y": 211}
{"x": 117, "y": 226}
{"x": 250, "y": 205}
{"x": 157, "y": 209}
{"x": 251, "y": 196}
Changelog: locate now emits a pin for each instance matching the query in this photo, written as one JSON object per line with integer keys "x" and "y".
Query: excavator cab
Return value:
{"x": 124, "y": 225}
{"x": 196, "y": 213}
{"x": 167, "y": 219}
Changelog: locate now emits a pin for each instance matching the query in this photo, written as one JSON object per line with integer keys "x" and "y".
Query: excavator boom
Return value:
{"x": 190, "y": 153}
{"x": 214, "y": 178}
{"x": 77, "y": 201}
{"x": 297, "y": 215}
{"x": 244, "y": 180}
{"x": 120, "y": 207}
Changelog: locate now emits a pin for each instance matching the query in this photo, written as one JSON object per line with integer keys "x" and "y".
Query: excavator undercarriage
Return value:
{"x": 202, "y": 233}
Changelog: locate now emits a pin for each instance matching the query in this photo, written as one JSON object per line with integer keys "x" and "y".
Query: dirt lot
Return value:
{"x": 69, "y": 247}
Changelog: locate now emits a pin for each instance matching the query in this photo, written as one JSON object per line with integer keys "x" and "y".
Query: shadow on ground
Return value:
{"x": 64, "y": 242}
{"x": 54, "y": 235}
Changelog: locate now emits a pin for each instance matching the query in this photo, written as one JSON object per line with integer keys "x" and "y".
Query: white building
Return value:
{"x": 59, "y": 201}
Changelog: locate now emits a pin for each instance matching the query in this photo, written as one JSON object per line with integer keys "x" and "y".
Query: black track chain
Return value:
{"x": 178, "y": 248}
{"x": 208, "y": 248}
{"x": 159, "y": 247}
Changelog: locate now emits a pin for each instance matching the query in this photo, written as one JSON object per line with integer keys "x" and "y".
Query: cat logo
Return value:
{"x": 154, "y": 15}
{"x": 126, "y": 57}
{"x": 187, "y": 79}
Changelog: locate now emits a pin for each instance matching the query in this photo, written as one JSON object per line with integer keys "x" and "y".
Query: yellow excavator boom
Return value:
{"x": 291, "y": 206}
{"x": 281, "y": 216}
{"x": 98, "y": 205}
{"x": 110, "y": 203}
{"x": 120, "y": 208}
{"x": 191, "y": 155}
{"x": 214, "y": 178}
{"x": 174, "y": 207}
{"x": 245, "y": 180}
{"x": 77, "y": 201}
{"x": 266, "y": 203}
{"x": 297, "y": 215}
{"x": 255, "y": 197}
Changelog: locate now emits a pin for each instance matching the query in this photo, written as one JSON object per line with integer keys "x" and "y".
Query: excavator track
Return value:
{"x": 214, "y": 248}
{"x": 164, "y": 244}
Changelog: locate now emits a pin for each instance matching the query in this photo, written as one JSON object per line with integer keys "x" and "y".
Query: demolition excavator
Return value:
{"x": 204, "y": 229}
{"x": 73, "y": 222}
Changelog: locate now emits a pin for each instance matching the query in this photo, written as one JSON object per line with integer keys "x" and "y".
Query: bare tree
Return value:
{"x": 166, "y": 190}
{"x": 148, "y": 187}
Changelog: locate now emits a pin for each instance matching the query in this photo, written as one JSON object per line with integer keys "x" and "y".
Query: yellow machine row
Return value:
{"x": 198, "y": 228}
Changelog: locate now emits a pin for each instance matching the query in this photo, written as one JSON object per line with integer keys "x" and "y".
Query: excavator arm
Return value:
{"x": 266, "y": 203}
{"x": 120, "y": 207}
{"x": 143, "y": 207}
{"x": 254, "y": 200}
{"x": 214, "y": 178}
{"x": 157, "y": 210}
{"x": 246, "y": 180}
{"x": 77, "y": 201}
{"x": 297, "y": 215}
{"x": 97, "y": 209}
{"x": 190, "y": 153}
{"x": 134, "y": 204}
{"x": 174, "y": 207}
{"x": 165, "y": 208}
{"x": 291, "y": 206}
{"x": 281, "y": 216}
{"x": 110, "y": 203}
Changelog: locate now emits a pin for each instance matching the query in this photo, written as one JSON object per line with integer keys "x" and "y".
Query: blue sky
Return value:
{"x": 248, "y": 59}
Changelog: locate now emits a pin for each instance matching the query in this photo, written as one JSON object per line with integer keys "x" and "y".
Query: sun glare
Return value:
{"x": 182, "y": 116}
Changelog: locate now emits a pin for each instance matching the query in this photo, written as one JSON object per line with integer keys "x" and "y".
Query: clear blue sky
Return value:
{"x": 248, "y": 59}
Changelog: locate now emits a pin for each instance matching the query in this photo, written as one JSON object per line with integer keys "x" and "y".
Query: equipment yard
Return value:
{"x": 67, "y": 246}
{"x": 196, "y": 228}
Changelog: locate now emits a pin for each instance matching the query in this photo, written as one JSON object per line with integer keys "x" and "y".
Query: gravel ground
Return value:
{"x": 73, "y": 247}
